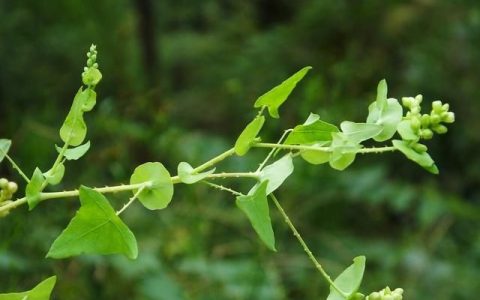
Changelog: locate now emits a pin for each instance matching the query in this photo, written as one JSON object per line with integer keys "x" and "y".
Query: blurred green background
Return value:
{"x": 180, "y": 78}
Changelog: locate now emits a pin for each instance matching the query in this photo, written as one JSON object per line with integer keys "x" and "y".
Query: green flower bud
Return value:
{"x": 91, "y": 77}
{"x": 3, "y": 183}
{"x": 437, "y": 106}
{"x": 419, "y": 98}
{"x": 449, "y": 117}
{"x": 434, "y": 118}
{"x": 446, "y": 107}
{"x": 440, "y": 129}
{"x": 426, "y": 134}
{"x": 407, "y": 101}
{"x": 425, "y": 120}
{"x": 415, "y": 123}
{"x": 12, "y": 187}
{"x": 387, "y": 297}
{"x": 397, "y": 297}
{"x": 398, "y": 291}
{"x": 357, "y": 296}
{"x": 420, "y": 148}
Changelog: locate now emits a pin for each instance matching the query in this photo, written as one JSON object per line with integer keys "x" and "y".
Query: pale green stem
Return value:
{"x": 321, "y": 149}
{"x": 214, "y": 160}
{"x": 223, "y": 188}
{"x": 56, "y": 163}
{"x": 273, "y": 150}
{"x": 16, "y": 167}
{"x": 131, "y": 200}
{"x": 305, "y": 247}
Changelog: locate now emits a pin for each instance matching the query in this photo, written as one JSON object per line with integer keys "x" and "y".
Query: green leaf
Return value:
{"x": 34, "y": 188}
{"x": 159, "y": 195}
{"x": 359, "y": 132}
{"x": 40, "y": 292}
{"x": 312, "y": 131}
{"x": 255, "y": 206}
{"x": 316, "y": 157}
{"x": 388, "y": 117}
{"x": 95, "y": 229}
{"x": 4, "y": 147}
{"x": 54, "y": 177}
{"x": 248, "y": 135}
{"x": 185, "y": 172}
{"x": 349, "y": 280}
{"x": 423, "y": 158}
{"x": 74, "y": 129}
{"x": 75, "y": 153}
{"x": 382, "y": 91}
{"x": 277, "y": 172}
{"x": 276, "y": 96}
{"x": 344, "y": 151}
{"x": 405, "y": 130}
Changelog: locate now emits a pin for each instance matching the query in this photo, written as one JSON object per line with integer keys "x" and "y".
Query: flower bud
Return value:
{"x": 425, "y": 120}
{"x": 375, "y": 296}
{"x": 91, "y": 77}
{"x": 398, "y": 291}
{"x": 440, "y": 129}
{"x": 434, "y": 118}
{"x": 426, "y": 134}
{"x": 387, "y": 297}
{"x": 415, "y": 123}
{"x": 407, "y": 101}
{"x": 3, "y": 183}
{"x": 415, "y": 109}
{"x": 446, "y": 107}
{"x": 12, "y": 187}
{"x": 419, "y": 98}
{"x": 420, "y": 148}
{"x": 437, "y": 106}
{"x": 449, "y": 117}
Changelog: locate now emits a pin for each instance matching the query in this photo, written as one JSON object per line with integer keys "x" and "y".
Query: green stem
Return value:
{"x": 15, "y": 166}
{"x": 321, "y": 149}
{"x": 58, "y": 160}
{"x": 223, "y": 188}
{"x": 131, "y": 200}
{"x": 273, "y": 150}
{"x": 214, "y": 160}
{"x": 305, "y": 247}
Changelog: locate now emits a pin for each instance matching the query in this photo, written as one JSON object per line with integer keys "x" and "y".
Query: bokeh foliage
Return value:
{"x": 179, "y": 81}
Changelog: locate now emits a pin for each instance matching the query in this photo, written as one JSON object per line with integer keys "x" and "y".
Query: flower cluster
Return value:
{"x": 7, "y": 189}
{"x": 386, "y": 294}
{"x": 91, "y": 76}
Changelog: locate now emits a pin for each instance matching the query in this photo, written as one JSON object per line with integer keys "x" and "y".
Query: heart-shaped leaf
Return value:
{"x": 277, "y": 172}
{"x": 344, "y": 151}
{"x": 40, "y": 292}
{"x": 95, "y": 229}
{"x": 248, "y": 135}
{"x": 160, "y": 193}
{"x": 185, "y": 172}
{"x": 389, "y": 117}
{"x": 276, "y": 96}
{"x": 349, "y": 280}
{"x": 313, "y": 130}
{"x": 255, "y": 206}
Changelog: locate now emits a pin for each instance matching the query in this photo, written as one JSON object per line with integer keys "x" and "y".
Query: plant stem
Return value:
{"x": 273, "y": 150}
{"x": 58, "y": 160}
{"x": 305, "y": 247}
{"x": 223, "y": 188}
{"x": 15, "y": 166}
{"x": 131, "y": 200}
{"x": 321, "y": 149}
{"x": 214, "y": 160}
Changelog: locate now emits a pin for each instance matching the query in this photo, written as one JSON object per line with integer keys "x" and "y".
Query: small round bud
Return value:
{"x": 440, "y": 129}
{"x": 449, "y": 117}
{"x": 357, "y": 296}
{"x": 446, "y": 107}
{"x": 434, "y": 118}
{"x": 89, "y": 54}
{"x": 91, "y": 77}
{"x": 425, "y": 120}
{"x": 415, "y": 123}
{"x": 89, "y": 62}
{"x": 12, "y": 187}
{"x": 93, "y": 57}
{"x": 437, "y": 106}
{"x": 407, "y": 101}
{"x": 3, "y": 183}
{"x": 419, "y": 98}
{"x": 375, "y": 296}
{"x": 398, "y": 291}
{"x": 95, "y": 65}
{"x": 426, "y": 134}
{"x": 420, "y": 148}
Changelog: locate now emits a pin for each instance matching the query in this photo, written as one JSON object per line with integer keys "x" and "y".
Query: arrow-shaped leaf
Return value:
{"x": 40, "y": 292}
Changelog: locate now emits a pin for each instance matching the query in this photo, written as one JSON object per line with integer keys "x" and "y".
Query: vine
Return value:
{"x": 97, "y": 228}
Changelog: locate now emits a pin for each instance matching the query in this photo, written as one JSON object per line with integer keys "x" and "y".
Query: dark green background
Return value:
{"x": 180, "y": 78}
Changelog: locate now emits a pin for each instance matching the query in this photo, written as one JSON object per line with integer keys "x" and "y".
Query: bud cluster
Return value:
{"x": 424, "y": 125}
{"x": 386, "y": 294}
{"x": 91, "y": 76}
{"x": 7, "y": 189}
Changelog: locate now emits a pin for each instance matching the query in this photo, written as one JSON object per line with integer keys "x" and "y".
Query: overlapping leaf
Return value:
{"x": 421, "y": 158}
{"x": 349, "y": 280}
{"x": 34, "y": 188}
{"x": 160, "y": 193}
{"x": 279, "y": 94}
{"x": 312, "y": 131}
{"x": 40, "y": 292}
{"x": 4, "y": 147}
{"x": 55, "y": 175}
{"x": 186, "y": 174}
{"x": 255, "y": 206}
{"x": 277, "y": 172}
{"x": 248, "y": 135}
{"x": 95, "y": 229}
{"x": 359, "y": 132}
{"x": 344, "y": 151}
{"x": 75, "y": 153}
